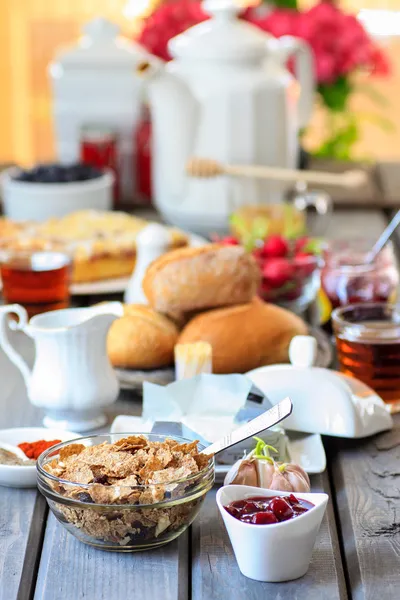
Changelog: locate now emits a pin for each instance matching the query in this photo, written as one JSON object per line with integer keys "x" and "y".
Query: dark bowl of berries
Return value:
{"x": 272, "y": 533}
{"x": 290, "y": 268}
{"x": 54, "y": 190}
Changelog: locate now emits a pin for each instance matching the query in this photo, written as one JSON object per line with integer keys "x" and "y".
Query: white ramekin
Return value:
{"x": 27, "y": 201}
{"x": 272, "y": 553}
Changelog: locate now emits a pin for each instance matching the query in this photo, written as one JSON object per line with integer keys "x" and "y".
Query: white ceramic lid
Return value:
{"x": 101, "y": 45}
{"x": 224, "y": 36}
{"x": 324, "y": 401}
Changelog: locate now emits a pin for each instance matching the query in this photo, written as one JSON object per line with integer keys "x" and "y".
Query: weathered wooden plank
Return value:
{"x": 366, "y": 480}
{"x": 366, "y": 483}
{"x": 78, "y": 571}
{"x": 17, "y": 507}
{"x": 216, "y": 575}
{"x": 33, "y": 551}
{"x": 70, "y": 569}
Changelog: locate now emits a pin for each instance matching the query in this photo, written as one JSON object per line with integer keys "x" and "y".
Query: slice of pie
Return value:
{"x": 102, "y": 244}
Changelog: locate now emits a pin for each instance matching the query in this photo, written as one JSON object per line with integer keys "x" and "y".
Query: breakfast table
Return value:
{"x": 357, "y": 554}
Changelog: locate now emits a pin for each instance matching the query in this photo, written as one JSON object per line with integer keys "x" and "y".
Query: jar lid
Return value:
{"x": 224, "y": 36}
{"x": 101, "y": 45}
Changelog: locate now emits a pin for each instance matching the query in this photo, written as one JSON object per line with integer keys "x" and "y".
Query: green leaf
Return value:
{"x": 335, "y": 96}
{"x": 282, "y": 3}
{"x": 340, "y": 144}
{"x": 260, "y": 228}
{"x": 314, "y": 246}
{"x": 238, "y": 223}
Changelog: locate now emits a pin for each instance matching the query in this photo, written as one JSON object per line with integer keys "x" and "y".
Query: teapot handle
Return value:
{"x": 20, "y": 325}
{"x": 305, "y": 73}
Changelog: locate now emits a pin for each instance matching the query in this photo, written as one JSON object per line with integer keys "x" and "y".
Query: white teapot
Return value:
{"x": 227, "y": 96}
{"x": 72, "y": 378}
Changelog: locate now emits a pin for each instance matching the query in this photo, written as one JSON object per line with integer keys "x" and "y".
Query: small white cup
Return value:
{"x": 272, "y": 553}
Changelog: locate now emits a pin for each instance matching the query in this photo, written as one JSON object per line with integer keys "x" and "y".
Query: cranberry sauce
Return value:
{"x": 260, "y": 510}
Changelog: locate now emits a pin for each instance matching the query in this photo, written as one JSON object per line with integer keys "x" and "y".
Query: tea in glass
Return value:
{"x": 368, "y": 347}
{"x": 38, "y": 280}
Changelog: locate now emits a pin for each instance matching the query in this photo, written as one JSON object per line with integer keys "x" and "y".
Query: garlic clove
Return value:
{"x": 265, "y": 471}
{"x": 297, "y": 482}
{"x": 243, "y": 472}
{"x": 298, "y": 477}
{"x": 280, "y": 482}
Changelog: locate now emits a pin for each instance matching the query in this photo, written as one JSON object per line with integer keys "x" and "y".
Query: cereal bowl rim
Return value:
{"x": 42, "y": 474}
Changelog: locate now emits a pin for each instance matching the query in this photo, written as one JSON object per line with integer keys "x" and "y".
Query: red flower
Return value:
{"x": 339, "y": 42}
{"x": 168, "y": 21}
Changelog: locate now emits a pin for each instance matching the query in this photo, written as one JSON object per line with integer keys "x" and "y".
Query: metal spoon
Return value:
{"x": 383, "y": 239}
{"x": 268, "y": 419}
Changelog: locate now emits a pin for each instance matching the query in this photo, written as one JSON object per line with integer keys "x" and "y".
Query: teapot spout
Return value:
{"x": 175, "y": 113}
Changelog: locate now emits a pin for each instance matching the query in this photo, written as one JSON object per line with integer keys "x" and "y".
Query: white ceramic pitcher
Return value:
{"x": 72, "y": 378}
{"x": 228, "y": 96}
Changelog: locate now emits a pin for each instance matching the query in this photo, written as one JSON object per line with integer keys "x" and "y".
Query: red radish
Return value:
{"x": 277, "y": 272}
{"x": 275, "y": 246}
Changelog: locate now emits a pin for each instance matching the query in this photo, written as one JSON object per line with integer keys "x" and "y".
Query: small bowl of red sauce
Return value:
{"x": 272, "y": 533}
{"x": 29, "y": 442}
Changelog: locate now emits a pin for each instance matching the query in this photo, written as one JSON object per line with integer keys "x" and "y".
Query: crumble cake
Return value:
{"x": 102, "y": 244}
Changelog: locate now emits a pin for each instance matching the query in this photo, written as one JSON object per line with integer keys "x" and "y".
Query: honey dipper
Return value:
{"x": 204, "y": 167}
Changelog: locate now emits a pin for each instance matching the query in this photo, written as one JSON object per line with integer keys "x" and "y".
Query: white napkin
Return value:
{"x": 205, "y": 405}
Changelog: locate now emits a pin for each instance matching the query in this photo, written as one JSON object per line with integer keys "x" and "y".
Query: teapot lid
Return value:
{"x": 224, "y": 36}
{"x": 101, "y": 45}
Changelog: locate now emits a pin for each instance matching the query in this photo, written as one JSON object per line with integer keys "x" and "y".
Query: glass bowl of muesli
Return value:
{"x": 128, "y": 491}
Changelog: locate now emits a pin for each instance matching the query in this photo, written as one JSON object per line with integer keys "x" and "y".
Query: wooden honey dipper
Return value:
{"x": 204, "y": 167}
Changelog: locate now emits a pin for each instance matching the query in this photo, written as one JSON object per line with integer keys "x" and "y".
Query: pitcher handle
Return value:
{"x": 305, "y": 74}
{"x": 20, "y": 325}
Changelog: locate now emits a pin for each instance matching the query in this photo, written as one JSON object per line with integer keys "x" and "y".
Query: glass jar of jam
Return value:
{"x": 347, "y": 279}
{"x": 99, "y": 148}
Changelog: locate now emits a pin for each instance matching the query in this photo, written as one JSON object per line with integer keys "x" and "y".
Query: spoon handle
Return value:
{"x": 268, "y": 419}
{"x": 383, "y": 238}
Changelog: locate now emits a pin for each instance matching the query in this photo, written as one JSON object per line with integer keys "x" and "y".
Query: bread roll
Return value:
{"x": 141, "y": 339}
{"x": 193, "y": 279}
{"x": 245, "y": 337}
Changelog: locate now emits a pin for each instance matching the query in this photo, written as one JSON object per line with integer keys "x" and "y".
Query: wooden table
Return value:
{"x": 357, "y": 554}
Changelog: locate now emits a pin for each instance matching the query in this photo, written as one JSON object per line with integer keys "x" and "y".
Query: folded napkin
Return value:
{"x": 205, "y": 407}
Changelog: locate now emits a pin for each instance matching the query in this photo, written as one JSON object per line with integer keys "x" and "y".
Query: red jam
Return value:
{"x": 260, "y": 510}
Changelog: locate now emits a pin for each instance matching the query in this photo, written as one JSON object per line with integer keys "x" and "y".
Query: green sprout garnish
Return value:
{"x": 262, "y": 450}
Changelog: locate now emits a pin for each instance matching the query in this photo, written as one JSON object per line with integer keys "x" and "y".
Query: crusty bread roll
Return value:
{"x": 245, "y": 337}
{"x": 141, "y": 339}
{"x": 193, "y": 279}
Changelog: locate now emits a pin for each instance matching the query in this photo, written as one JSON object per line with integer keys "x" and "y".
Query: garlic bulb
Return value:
{"x": 259, "y": 469}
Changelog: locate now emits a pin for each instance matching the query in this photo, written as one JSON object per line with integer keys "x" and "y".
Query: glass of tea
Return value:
{"x": 368, "y": 347}
{"x": 38, "y": 280}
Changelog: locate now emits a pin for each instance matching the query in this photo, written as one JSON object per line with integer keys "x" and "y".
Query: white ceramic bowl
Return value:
{"x": 28, "y": 201}
{"x": 272, "y": 553}
{"x": 20, "y": 476}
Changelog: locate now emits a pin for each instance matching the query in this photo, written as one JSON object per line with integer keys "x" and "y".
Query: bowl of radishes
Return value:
{"x": 290, "y": 268}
